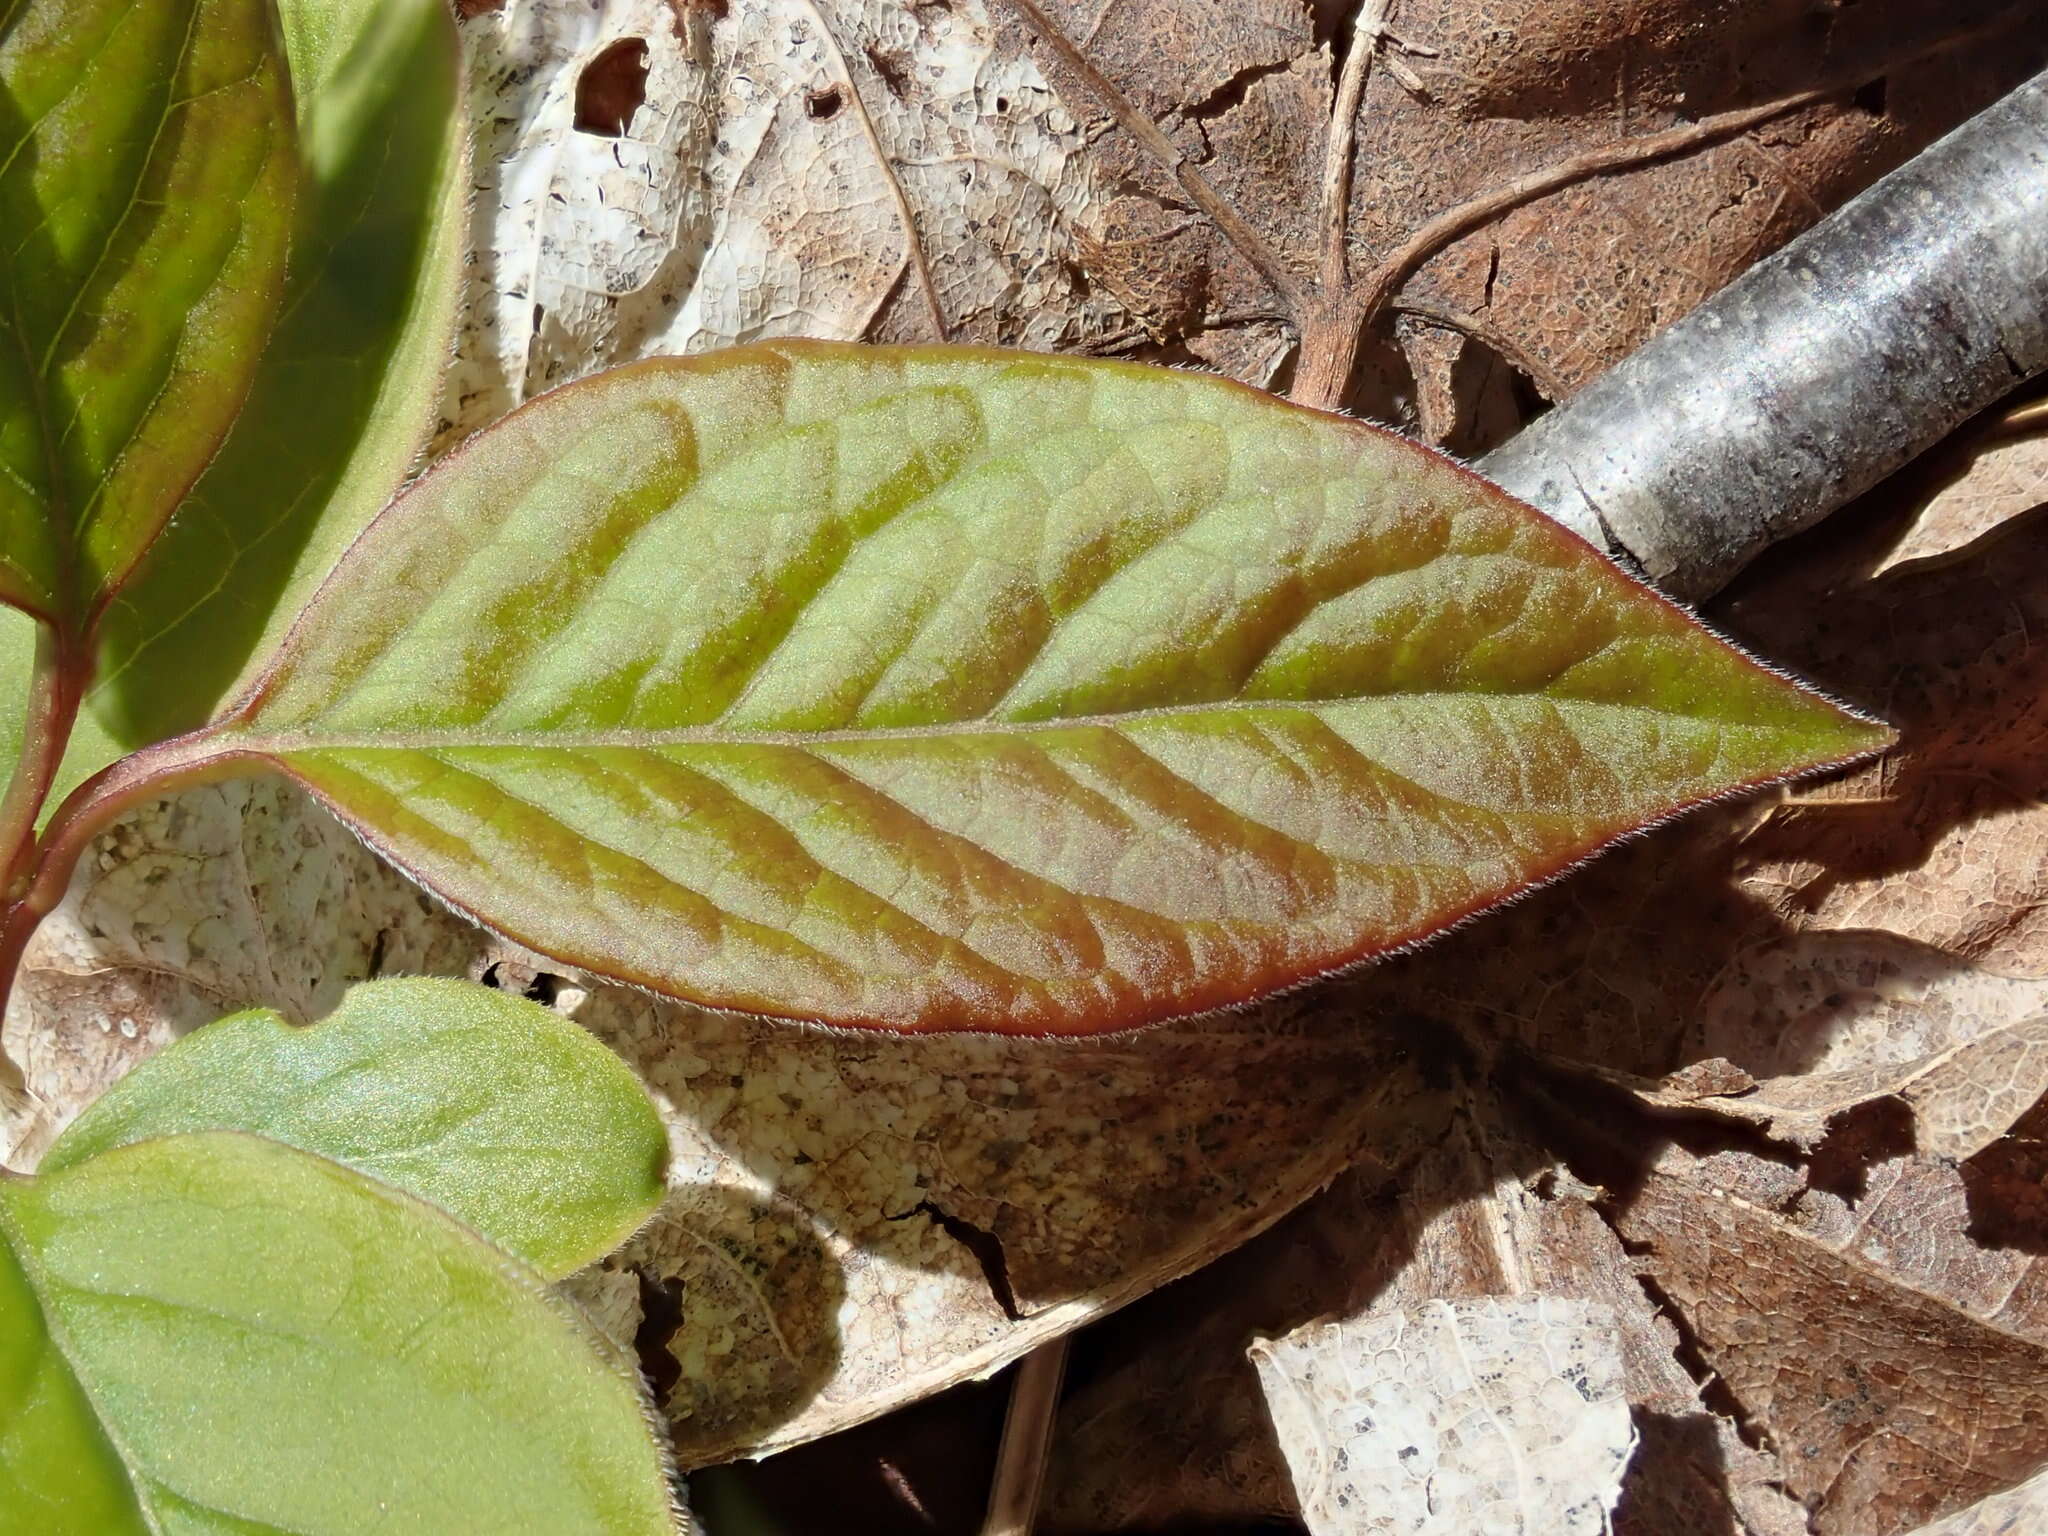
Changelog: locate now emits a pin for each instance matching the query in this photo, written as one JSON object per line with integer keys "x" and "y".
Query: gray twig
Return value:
{"x": 1818, "y": 372}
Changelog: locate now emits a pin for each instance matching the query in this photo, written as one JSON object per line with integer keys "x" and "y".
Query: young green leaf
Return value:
{"x": 272, "y": 1342}
{"x": 342, "y": 400}
{"x": 501, "y": 1112}
{"x": 953, "y": 689}
{"x": 58, "y": 1471}
{"x": 146, "y": 175}
{"x": 348, "y": 387}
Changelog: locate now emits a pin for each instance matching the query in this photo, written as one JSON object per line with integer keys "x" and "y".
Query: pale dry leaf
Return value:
{"x": 1504, "y": 1414}
{"x": 796, "y": 168}
{"x": 1963, "y": 1099}
{"x": 854, "y": 1221}
{"x": 857, "y": 1221}
{"x": 2000, "y": 481}
{"x": 1804, "y": 1028}
{"x": 220, "y": 898}
{"x": 1174, "y": 1427}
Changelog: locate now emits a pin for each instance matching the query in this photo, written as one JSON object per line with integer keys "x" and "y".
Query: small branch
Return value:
{"x": 1027, "y": 1441}
{"x": 912, "y": 240}
{"x": 1817, "y": 372}
{"x": 1446, "y": 318}
{"x": 1249, "y": 242}
{"x": 1326, "y": 370}
{"x": 1342, "y": 143}
{"x": 56, "y": 685}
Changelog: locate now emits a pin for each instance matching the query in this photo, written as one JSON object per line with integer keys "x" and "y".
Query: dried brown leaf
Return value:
{"x": 1887, "y": 1405}
{"x": 2002, "y": 480}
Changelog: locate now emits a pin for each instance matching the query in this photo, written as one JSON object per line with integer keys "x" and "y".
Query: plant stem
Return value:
{"x": 1027, "y": 1441}
{"x": 1342, "y": 142}
{"x": 56, "y": 686}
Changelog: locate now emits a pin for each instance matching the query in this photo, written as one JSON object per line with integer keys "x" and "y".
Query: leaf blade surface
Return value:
{"x": 955, "y": 689}
{"x": 147, "y": 182}
{"x": 502, "y": 1113}
{"x": 219, "y": 1292}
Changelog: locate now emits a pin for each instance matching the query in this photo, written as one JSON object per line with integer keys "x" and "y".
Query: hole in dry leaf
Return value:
{"x": 612, "y": 87}
{"x": 894, "y": 70}
{"x": 823, "y": 106}
{"x": 661, "y": 1315}
{"x": 1871, "y": 97}
{"x": 1858, "y": 1139}
{"x": 983, "y": 1244}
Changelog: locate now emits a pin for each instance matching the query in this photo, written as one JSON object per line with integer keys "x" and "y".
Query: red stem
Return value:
{"x": 56, "y": 687}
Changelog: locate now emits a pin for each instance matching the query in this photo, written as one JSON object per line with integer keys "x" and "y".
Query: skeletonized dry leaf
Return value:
{"x": 772, "y": 168}
{"x": 852, "y": 1223}
{"x": 1501, "y": 1414}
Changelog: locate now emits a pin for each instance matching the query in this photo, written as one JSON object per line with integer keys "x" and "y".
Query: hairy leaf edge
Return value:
{"x": 195, "y": 758}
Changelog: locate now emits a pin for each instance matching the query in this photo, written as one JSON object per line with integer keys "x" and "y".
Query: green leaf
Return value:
{"x": 955, "y": 689}
{"x": 274, "y": 1343}
{"x": 507, "y": 1116}
{"x": 146, "y": 176}
{"x": 343, "y": 400}
{"x": 58, "y": 1471}
{"x": 347, "y": 391}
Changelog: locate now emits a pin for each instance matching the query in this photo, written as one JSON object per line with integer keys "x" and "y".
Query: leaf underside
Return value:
{"x": 502, "y": 1113}
{"x": 146, "y": 177}
{"x": 275, "y": 1343}
{"x": 955, "y": 689}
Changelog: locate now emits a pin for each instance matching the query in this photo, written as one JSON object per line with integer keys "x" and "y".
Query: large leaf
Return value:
{"x": 510, "y": 1118}
{"x": 273, "y": 1342}
{"x": 341, "y": 403}
{"x": 146, "y": 174}
{"x": 967, "y": 689}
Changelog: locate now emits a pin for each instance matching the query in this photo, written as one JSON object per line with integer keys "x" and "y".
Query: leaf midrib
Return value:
{"x": 284, "y": 742}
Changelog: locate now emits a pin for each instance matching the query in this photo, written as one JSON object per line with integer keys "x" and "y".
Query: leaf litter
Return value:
{"x": 849, "y": 170}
